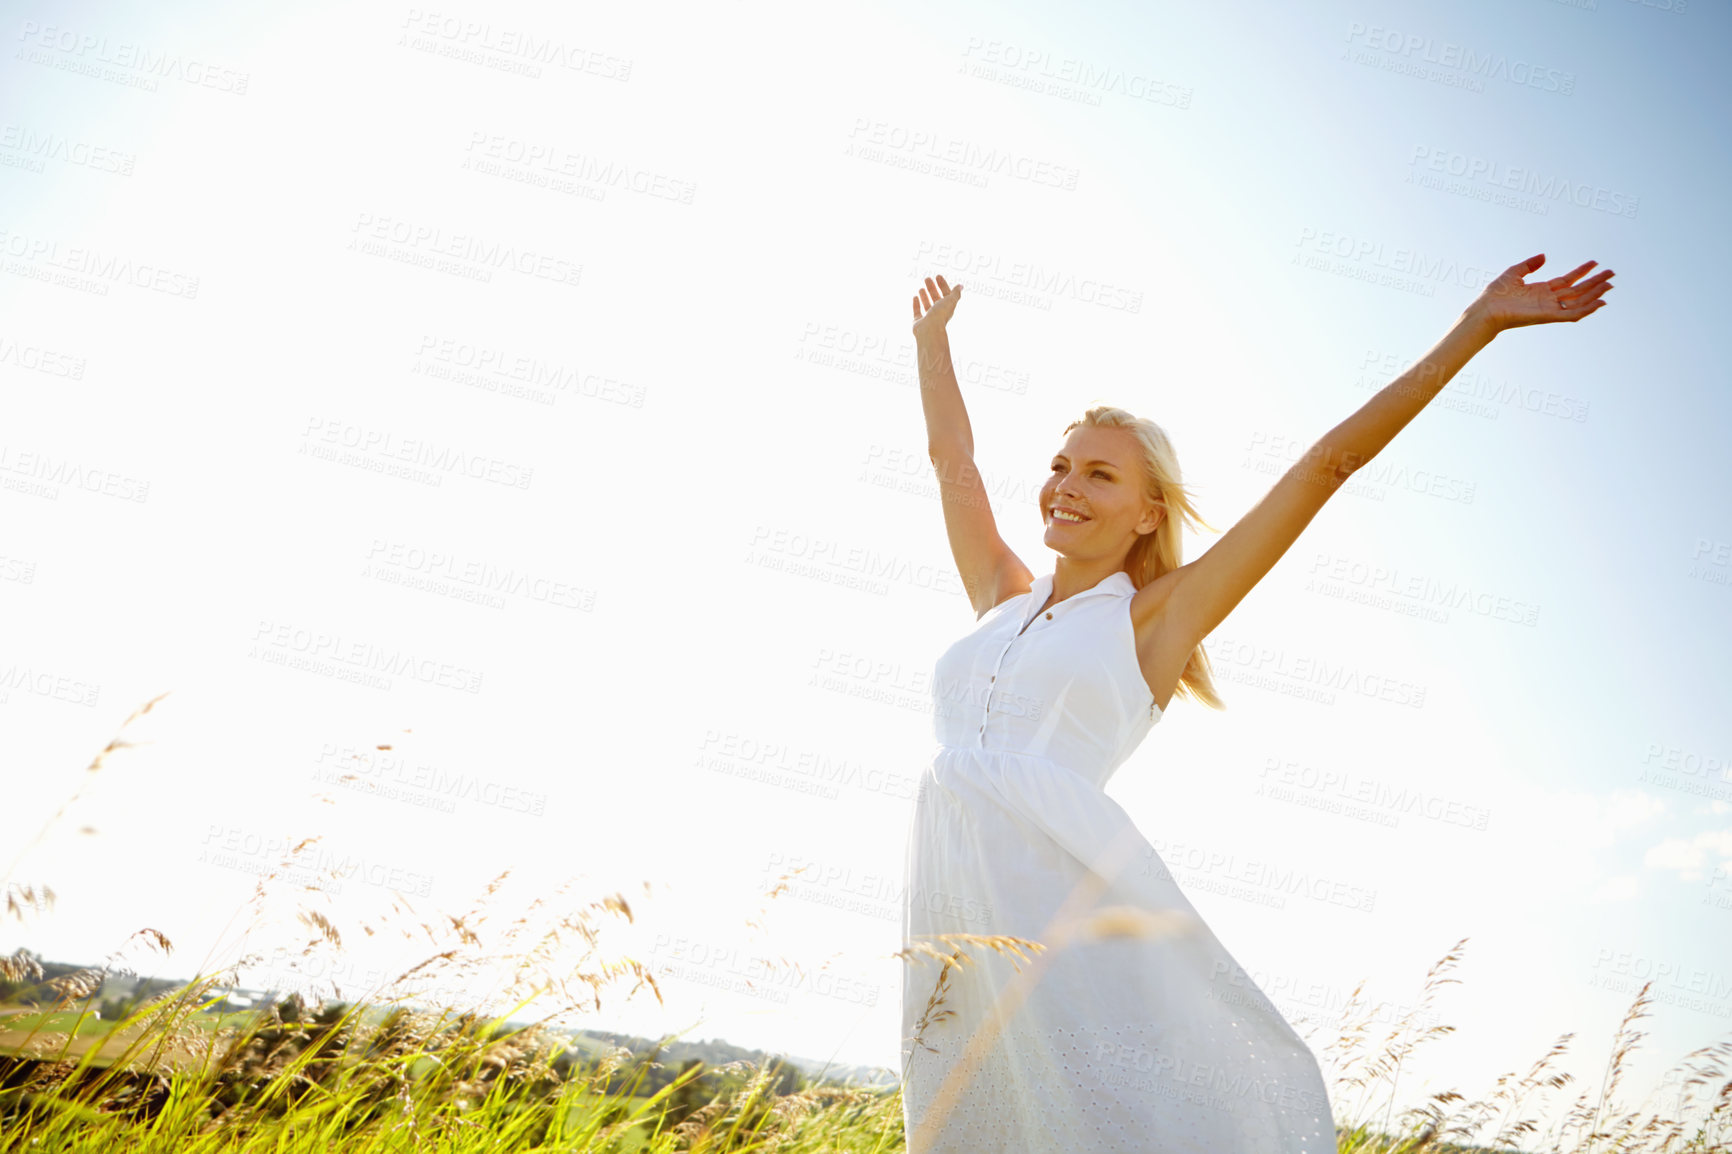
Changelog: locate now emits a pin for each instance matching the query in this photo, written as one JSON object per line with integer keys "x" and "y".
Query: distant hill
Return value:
{"x": 119, "y": 993}
{"x": 716, "y": 1052}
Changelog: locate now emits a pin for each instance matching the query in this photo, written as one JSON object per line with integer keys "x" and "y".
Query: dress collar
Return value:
{"x": 1118, "y": 583}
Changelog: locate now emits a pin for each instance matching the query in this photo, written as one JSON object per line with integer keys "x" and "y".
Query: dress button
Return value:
{"x": 1049, "y": 616}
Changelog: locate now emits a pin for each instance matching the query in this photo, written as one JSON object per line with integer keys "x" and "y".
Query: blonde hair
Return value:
{"x": 1160, "y": 552}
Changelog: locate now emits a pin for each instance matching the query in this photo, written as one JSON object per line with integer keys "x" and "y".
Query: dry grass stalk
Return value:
{"x": 94, "y": 767}
{"x": 531, "y": 957}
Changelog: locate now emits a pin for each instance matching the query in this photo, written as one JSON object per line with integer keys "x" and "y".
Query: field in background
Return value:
{"x": 180, "y": 1069}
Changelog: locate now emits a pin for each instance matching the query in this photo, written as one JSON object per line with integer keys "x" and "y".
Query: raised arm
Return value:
{"x": 988, "y": 567}
{"x": 1203, "y": 592}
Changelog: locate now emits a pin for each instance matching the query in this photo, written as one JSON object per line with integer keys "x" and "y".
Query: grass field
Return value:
{"x": 176, "y": 1077}
{"x": 176, "y": 1074}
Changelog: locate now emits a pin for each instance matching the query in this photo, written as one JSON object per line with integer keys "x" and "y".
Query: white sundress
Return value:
{"x": 1154, "y": 1041}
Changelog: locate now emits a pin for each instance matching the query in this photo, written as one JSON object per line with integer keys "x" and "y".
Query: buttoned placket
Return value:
{"x": 1027, "y": 624}
{"x": 992, "y": 682}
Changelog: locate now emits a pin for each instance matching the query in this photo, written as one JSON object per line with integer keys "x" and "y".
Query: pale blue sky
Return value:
{"x": 1286, "y": 203}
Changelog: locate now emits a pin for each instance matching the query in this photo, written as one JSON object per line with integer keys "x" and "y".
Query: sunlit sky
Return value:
{"x": 532, "y": 392}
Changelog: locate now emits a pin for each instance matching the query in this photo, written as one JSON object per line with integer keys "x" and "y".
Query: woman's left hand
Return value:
{"x": 1509, "y": 302}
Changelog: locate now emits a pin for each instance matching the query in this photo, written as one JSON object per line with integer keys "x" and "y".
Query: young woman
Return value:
{"x": 1130, "y": 1028}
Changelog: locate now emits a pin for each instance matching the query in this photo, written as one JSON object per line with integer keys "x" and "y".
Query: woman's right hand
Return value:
{"x": 938, "y": 301}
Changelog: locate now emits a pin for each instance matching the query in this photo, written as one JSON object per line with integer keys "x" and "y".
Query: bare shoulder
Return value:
{"x": 1162, "y": 653}
{"x": 1012, "y": 578}
{"x": 1149, "y": 602}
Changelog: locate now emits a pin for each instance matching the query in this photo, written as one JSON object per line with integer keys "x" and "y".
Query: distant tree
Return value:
{"x": 789, "y": 1080}
{"x": 691, "y": 1092}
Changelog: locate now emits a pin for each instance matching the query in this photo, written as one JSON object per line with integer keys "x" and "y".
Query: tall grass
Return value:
{"x": 389, "y": 1072}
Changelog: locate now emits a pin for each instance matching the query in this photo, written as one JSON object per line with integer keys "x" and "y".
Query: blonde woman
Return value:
{"x": 1133, "y": 1029}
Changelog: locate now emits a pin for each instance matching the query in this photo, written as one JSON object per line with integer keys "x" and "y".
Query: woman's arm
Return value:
{"x": 1364, "y": 434}
{"x": 1205, "y": 591}
{"x": 947, "y": 424}
{"x": 989, "y": 570}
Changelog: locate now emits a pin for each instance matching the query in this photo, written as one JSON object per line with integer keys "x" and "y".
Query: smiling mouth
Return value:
{"x": 1060, "y": 517}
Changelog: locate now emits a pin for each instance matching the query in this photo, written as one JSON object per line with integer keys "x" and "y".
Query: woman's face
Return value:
{"x": 1095, "y": 475}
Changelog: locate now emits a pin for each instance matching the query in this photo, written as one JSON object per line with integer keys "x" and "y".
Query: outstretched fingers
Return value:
{"x": 928, "y": 297}
{"x": 1588, "y": 291}
{"x": 1569, "y": 278}
{"x": 1521, "y": 268}
{"x": 1587, "y": 302}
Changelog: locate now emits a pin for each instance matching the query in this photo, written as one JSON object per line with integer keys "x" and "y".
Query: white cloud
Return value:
{"x": 1689, "y": 856}
{"x": 1595, "y": 820}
